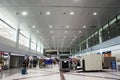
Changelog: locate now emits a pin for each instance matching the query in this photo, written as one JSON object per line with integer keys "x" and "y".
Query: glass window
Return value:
{"x": 41, "y": 49}
{"x": 106, "y": 34}
{"x": 77, "y": 49}
{"x": 96, "y": 38}
{"x": 83, "y": 45}
{"x": 115, "y": 30}
{"x": 93, "y": 40}
{"x": 90, "y": 42}
{"x": 38, "y": 48}
{"x": 7, "y": 31}
{"x": 118, "y": 22}
{"x": 23, "y": 40}
{"x": 33, "y": 45}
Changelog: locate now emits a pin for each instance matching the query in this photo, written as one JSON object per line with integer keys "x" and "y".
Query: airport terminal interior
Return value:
{"x": 59, "y": 39}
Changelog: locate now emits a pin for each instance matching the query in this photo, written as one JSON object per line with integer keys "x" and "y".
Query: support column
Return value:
{"x": 87, "y": 44}
{"x": 80, "y": 47}
{"x": 18, "y": 30}
{"x": 30, "y": 43}
{"x": 17, "y": 38}
{"x": 40, "y": 46}
{"x": 100, "y": 36}
{"x": 70, "y": 51}
{"x": 36, "y": 47}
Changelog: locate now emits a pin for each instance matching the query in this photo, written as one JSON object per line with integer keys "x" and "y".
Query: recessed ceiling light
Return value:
{"x": 84, "y": 26}
{"x": 33, "y": 26}
{"x": 94, "y": 13}
{"x": 64, "y": 37}
{"x": 65, "y": 31}
{"x": 80, "y": 31}
{"x": 75, "y": 36}
{"x": 71, "y": 13}
{"x": 47, "y": 13}
{"x": 37, "y": 31}
{"x": 67, "y": 26}
{"x": 51, "y": 31}
{"x": 73, "y": 39}
{"x": 50, "y": 26}
{"x": 53, "y": 37}
{"x": 24, "y": 13}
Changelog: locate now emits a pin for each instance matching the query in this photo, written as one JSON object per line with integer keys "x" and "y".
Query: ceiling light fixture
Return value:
{"x": 67, "y": 26}
{"x": 47, "y": 13}
{"x": 84, "y": 26}
{"x": 65, "y": 31}
{"x": 37, "y": 31}
{"x": 51, "y": 31}
{"x": 50, "y": 26}
{"x": 33, "y": 26}
{"x": 24, "y": 13}
{"x": 73, "y": 39}
{"x": 80, "y": 31}
{"x": 94, "y": 13}
{"x": 53, "y": 37}
{"x": 75, "y": 36}
{"x": 71, "y": 13}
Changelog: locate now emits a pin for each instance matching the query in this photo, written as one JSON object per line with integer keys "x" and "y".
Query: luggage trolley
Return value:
{"x": 64, "y": 62}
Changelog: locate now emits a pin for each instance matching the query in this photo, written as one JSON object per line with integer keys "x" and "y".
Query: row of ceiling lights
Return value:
{"x": 24, "y": 13}
{"x": 62, "y": 43}
{"x": 66, "y": 30}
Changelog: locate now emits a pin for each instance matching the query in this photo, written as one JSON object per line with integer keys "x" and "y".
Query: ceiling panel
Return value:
{"x": 60, "y": 18}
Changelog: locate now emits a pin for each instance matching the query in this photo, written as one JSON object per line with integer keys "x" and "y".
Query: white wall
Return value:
{"x": 7, "y": 41}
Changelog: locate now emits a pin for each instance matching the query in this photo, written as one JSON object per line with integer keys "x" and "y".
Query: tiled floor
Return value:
{"x": 54, "y": 74}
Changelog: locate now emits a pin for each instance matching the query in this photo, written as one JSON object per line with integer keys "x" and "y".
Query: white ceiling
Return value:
{"x": 60, "y": 18}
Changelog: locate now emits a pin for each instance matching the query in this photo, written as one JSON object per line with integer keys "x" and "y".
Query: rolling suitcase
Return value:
{"x": 24, "y": 71}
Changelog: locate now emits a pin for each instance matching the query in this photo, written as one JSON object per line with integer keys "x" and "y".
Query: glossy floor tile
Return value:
{"x": 54, "y": 74}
